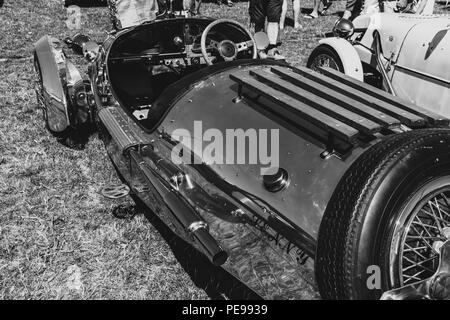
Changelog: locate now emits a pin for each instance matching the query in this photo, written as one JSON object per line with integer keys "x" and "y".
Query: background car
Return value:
{"x": 406, "y": 55}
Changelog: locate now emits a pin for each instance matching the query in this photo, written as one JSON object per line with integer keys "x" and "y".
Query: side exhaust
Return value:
{"x": 184, "y": 215}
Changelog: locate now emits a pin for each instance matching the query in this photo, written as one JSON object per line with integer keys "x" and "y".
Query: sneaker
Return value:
{"x": 275, "y": 54}
{"x": 262, "y": 54}
{"x": 297, "y": 26}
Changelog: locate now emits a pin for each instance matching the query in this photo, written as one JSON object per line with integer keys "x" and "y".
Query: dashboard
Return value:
{"x": 171, "y": 42}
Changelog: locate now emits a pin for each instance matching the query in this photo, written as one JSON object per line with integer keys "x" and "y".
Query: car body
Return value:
{"x": 413, "y": 55}
{"x": 150, "y": 88}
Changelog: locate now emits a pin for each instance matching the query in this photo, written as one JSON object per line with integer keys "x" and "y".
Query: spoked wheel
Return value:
{"x": 325, "y": 56}
{"x": 388, "y": 217}
{"x": 420, "y": 233}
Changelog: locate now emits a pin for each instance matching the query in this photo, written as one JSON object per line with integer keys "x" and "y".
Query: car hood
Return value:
{"x": 423, "y": 63}
{"x": 394, "y": 28}
{"x": 426, "y": 48}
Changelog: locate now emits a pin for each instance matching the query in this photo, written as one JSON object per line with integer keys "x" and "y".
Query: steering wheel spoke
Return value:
{"x": 244, "y": 45}
{"x": 213, "y": 44}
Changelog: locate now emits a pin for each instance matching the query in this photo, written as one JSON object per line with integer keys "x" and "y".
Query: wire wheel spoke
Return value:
{"x": 324, "y": 61}
{"x": 419, "y": 264}
{"x": 415, "y": 250}
{"x": 415, "y": 276}
{"x": 419, "y": 259}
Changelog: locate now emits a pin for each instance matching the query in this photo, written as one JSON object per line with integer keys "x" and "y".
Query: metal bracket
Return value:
{"x": 239, "y": 97}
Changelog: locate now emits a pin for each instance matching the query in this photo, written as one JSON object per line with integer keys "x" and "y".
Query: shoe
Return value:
{"x": 262, "y": 54}
{"x": 274, "y": 54}
{"x": 311, "y": 16}
{"x": 326, "y": 5}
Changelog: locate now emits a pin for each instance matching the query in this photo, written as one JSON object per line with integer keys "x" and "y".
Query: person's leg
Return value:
{"x": 296, "y": 8}
{"x": 326, "y": 5}
{"x": 315, "y": 12}
{"x": 349, "y": 7}
{"x": 283, "y": 14}
{"x": 272, "y": 32}
{"x": 352, "y": 9}
{"x": 257, "y": 12}
{"x": 273, "y": 11}
{"x": 198, "y": 4}
{"x": 347, "y": 14}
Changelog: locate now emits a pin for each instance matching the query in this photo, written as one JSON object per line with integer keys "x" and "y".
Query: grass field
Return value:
{"x": 59, "y": 238}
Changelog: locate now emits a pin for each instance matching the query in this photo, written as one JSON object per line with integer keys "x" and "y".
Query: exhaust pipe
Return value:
{"x": 184, "y": 215}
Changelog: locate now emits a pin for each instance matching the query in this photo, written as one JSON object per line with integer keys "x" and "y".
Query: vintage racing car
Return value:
{"x": 360, "y": 191}
{"x": 406, "y": 55}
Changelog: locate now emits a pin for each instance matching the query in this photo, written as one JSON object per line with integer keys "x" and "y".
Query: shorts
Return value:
{"x": 259, "y": 10}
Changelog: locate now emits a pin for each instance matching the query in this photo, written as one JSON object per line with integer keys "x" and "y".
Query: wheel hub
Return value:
{"x": 437, "y": 245}
{"x": 228, "y": 50}
{"x": 436, "y": 287}
{"x": 446, "y": 232}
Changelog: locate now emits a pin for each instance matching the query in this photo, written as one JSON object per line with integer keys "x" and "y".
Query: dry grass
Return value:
{"x": 58, "y": 237}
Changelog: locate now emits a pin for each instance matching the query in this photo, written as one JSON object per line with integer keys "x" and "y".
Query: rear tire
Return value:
{"x": 371, "y": 214}
{"x": 325, "y": 56}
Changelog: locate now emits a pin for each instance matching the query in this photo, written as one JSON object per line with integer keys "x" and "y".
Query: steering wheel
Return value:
{"x": 227, "y": 49}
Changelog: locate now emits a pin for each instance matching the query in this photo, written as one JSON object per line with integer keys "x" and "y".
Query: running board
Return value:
{"x": 123, "y": 130}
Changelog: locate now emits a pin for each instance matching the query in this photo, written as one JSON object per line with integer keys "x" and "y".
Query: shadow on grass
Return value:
{"x": 75, "y": 138}
{"x": 217, "y": 283}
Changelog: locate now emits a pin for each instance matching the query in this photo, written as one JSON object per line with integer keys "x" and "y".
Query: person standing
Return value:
{"x": 296, "y": 9}
{"x": 270, "y": 10}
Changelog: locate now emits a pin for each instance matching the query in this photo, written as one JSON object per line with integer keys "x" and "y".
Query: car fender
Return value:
{"x": 348, "y": 55}
{"x": 60, "y": 87}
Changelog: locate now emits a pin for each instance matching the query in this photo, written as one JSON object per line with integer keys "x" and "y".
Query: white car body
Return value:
{"x": 415, "y": 53}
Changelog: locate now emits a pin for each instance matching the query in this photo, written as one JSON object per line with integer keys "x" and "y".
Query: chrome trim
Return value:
{"x": 426, "y": 75}
{"x": 194, "y": 226}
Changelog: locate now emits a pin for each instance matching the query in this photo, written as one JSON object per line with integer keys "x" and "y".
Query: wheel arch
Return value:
{"x": 348, "y": 55}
